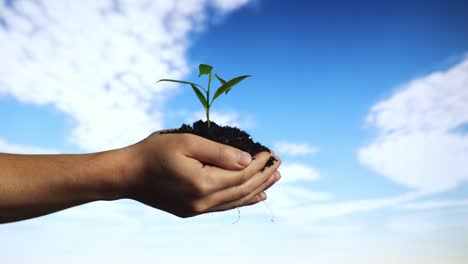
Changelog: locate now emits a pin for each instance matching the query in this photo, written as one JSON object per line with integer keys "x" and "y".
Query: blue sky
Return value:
{"x": 365, "y": 102}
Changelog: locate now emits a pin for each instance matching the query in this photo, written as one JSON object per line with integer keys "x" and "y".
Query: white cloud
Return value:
{"x": 417, "y": 143}
{"x": 292, "y": 172}
{"x": 97, "y": 61}
{"x": 8, "y": 147}
{"x": 427, "y": 161}
{"x": 412, "y": 224}
{"x": 294, "y": 149}
{"x": 425, "y": 222}
{"x": 229, "y": 5}
{"x": 303, "y": 216}
{"x": 224, "y": 119}
{"x": 434, "y": 102}
{"x": 434, "y": 204}
{"x": 284, "y": 196}
{"x": 290, "y": 191}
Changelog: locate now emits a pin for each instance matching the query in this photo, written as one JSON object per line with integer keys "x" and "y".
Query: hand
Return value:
{"x": 169, "y": 174}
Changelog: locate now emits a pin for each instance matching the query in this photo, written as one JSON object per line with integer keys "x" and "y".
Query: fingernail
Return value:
{"x": 278, "y": 177}
{"x": 258, "y": 197}
{"x": 272, "y": 179}
{"x": 244, "y": 158}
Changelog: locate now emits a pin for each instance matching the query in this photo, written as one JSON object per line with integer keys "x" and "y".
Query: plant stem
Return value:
{"x": 208, "y": 101}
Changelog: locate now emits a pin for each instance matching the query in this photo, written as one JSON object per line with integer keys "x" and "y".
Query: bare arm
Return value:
{"x": 34, "y": 185}
{"x": 162, "y": 171}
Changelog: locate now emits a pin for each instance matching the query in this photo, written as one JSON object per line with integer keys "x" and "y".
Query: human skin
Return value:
{"x": 164, "y": 171}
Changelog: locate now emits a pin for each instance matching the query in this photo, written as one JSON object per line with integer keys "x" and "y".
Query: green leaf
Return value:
{"x": 227, "y": 86}
{"x": 221, "y": 80}
{"x": 200, "y": 97}
{"x": 184, "y": 82}
{"x": 204, "y": 69}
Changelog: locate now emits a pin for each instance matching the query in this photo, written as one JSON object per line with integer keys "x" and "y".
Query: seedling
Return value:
{"x": 205, "y": 99}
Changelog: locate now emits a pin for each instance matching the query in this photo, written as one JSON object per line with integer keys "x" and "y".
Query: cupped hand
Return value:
{"x": 169, "y": 172}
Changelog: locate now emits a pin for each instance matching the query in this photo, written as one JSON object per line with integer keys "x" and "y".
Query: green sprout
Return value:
{"x": 205, "y": 99}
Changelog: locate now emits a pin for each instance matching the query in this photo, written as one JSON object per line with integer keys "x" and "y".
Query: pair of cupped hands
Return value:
{"x": 186, "y": 185}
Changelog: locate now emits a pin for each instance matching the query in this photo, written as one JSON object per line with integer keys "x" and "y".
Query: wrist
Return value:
{"x": 123, "y": 168}
{"x": 106, "y": 173}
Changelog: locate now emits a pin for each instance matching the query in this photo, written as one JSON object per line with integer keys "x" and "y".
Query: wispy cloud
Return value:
{"x": 427, "y": 221}
{"x": 419, "y": 144}
{"x": 8, "y": 147}
{"x": 303, "y": 216}
{"x": 294, "y": 149}
{"x": 286, "y": 196}
{"x": 434, "y": 204}
{"x": 412, "y": 224}
{"x": 233, "y": 119}
{"x": 293, "y": 191}
{"x": 97, "y": 61}
{"x": 293, "y": 172}
{"x": 229, "y": 5}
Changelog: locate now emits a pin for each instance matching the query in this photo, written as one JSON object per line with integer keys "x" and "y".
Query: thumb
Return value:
{"x": 220, "y": 155}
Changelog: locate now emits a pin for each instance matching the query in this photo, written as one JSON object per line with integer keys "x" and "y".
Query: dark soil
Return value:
{"x": 227, "y": 135}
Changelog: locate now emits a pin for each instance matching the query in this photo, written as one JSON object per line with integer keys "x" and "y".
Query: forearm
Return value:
{"x": 34, "y": 185}
{"x": 166, "y": 172}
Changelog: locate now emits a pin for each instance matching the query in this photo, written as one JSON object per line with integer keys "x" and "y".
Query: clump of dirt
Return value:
{"x": 227, "y": 135}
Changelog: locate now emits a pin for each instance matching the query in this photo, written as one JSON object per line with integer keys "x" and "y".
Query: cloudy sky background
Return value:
{"x": 367, "y": 104}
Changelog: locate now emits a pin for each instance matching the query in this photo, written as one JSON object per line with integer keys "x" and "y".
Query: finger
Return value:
{"x": 220, "y": 155}
{"x": 257, "y": 198}
{"x": 239, "y": 195}
{"x": 278, "y": 177}
{"x": 214, "y": 179}
{"x": 228, "y": 180}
